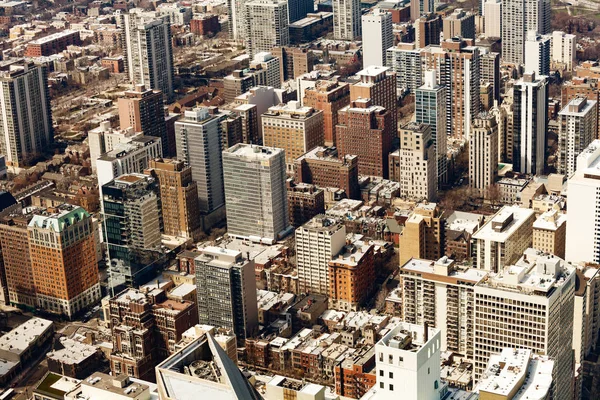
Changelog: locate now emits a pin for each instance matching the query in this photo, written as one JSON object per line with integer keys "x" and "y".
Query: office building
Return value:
{"x": 535, "y": 298}
{"x": 530, "y": 124}
{"x": 492, "y": 18}
{"x": 178, "y": 197}
{"x": 346, "y": 19}
{"x": 428, "y": 28}
{"x": 322, "y": 167}
{"x": 423, "y": 234}
{"x": 366, "y": 131}
{"x": 430, "y": 109}
{"x": 25, "y": 97}
{"x": 460, "y": 23}
{"x": 198, "y": 137}
{"x": 379, "y": 85}
{"x": 418, "y": 162}
{"x": 148, "y": 49}
{"x": 226, "y": 291}
{"x": 266, "y": 25}
{"x": 329, "y": 97}
{"x": 405, "y": 60}
{"x": 293, "y": 128}
{"x": 564, "y": 49}
{"x": 503, "y": 239}
{"x": 421, "y": 7}
{"x": 272, "y": 67}
{"x": 250, "y": 126}
{"x": 440, "y": 294}
{"x": 305, "y": 201}
{"x": 377, "y": 32}
{"x": 298, "y": 9}
{"x": 317, "y": 242}
{"x": 537, "y": 53}
{"x": 578, "y": 127}
{"x": 518, "y": 18}
{"x": 104, "y": 139}
{"x": 143, "y": 110}
{"x": 63, "y": 260}
{"x": 255, "y": 194}
{"x": 550, "y": 233}
{"x": 483, "y": 152}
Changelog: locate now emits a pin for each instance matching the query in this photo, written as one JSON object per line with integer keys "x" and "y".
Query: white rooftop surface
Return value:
{"x": 350, "y": 258}
{"x": 589, "y": 104}
{"x": 131, "y": 295}
{"x": 588, "y": 163}
{"x": 6, "y": 366}
{"x": 372, "y": 70}
{"x": 74, "y": 352}
{"x": 20, "y": 338}
{"x": 253, "y": 152}
{"x": 65, "y": 384}
{"x": 266, "y": 299}
{"x": 463, "y": 221}
{"x": 426, "y": 266}
{"x": 550, "y": 220}
{"x": 183, "y": 290}
{"x": 518, "y": 363}
{"x": 519, "y": 214}
{"x": 333, "y": 315}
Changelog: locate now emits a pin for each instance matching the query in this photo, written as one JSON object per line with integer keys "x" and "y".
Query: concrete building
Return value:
{"x": 366, "y": 131}
{"x": 298, "y": 9}
{"x": 293, "y": 128}
{"x": 537, "y": 53}
{"x": 503, "y": 239}
{"x": 143, "y": 110}
{"x": 518, "y": 18}
{"x": 272, "y": 65}
{"x": 530, "y": 124}
{"x": 379, "y": 85}
{"x": 458, "y": 232}
{"x": 23, "y": 343}
{"x": 578, "y": 127}
{"x": 198, "y": 137}
{"x": 430, "y": 109}
{"x": 460, "y": 23}
{"x": 328, "y": 96}
{"x": 550, "y": 233}
{"x": 250, "y": 126}
{"x": 489, "y": 71}
{"x": 587, "y": 312}
{"x": 440, "y": 294}
{"x": 266, "y": 25}
{"x": 418, "y": 162}
{"x": 535, "y": 296}
{"x": 428, "y": 29}
{"x": 255, "y": 194}
{"x": 423, "y": 234}
{"x": 103, "y": 386}
{"x": 564, "y": 49}
{"x": 421, "y": 7}
{"x": 317, "y": 242}
{"x": 483, "y": 152}
{"x": 294, "y": 61}
{"x": 63, "y": 260}
{"x": 152, "y": 66}
{"x": 346, "y": 19}
{"x": 104, "y": 139}
{"x": 405, "y": 60}
{"x": 280, "y": 388}
{"x": 25, "y": 97}
{"x": 377, "y": 32}
{"x": 493, "y": 18}
{"x": 227, "y": 291}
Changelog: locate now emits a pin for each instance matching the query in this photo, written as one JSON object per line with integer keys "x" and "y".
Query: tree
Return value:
{"x": 493, "y": 194}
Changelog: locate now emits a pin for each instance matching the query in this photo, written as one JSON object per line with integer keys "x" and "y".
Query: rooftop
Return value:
{"x": 73, "y": 352}
{"x": 463, "y": 221}
{"x": 443, "y": 268}
{"x": 20, "y": 338}
{"x": 408, "y": 337}
{"x": 551, "y": 220}
{"x": 119, "y": 385}
{"x": 253, "y": 152}
{"x": 322, "y": 223}
{"x": 506, "y": 221}
{"x": 52, "y": 37}
{"x": 60, "y": 218}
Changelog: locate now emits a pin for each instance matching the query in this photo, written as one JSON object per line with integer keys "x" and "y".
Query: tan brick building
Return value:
{"x": 330, "y": 97}
{"x": 379, "y": 85}
{"x": 550, "y": 233}
{"x": 351, "y": 276}
{"x": 423, "y": 234}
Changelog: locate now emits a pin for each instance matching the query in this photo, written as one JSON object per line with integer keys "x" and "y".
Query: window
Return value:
{"x": 381, "y": 385}
{"x": 391, "y": 375}
{"x": 391, "y": 388}
{"x": 380, "y": 372}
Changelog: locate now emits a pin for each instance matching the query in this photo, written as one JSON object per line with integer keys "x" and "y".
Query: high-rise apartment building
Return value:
{"x": 366, "y": 131}
{"x": 266, "y": 25}
{"x": 305, "y": 201}
{"x": 62, "y": 249}
{"x": 428, "y": 28}
{"x": 377, "y": 31}
{"x": 577, "y": 130}
{"x": 587, "y": 312}
{"x": 489, "y": 71}
{"x": 405, "y": 60}
{"x": 534, "y": 298}
{"x": 179, "y": 198}
{"x": 503, "y": 239}
{"x": 293, "y": 128}
{"x": 564, "y": 49}
{"x": 518, "y": 18}
{"x": 104, "y": 138}
{"x": 26, "y": 122}
{"x": 351, "y": 276}
{"x": 440, "y": 294}
{"x": 250, "y": 125}
{"x": 421, "y": 7}
{"x": 379, "y": 85}
{"x": 492, "y": 18}
{"x": 317, "y": 242}
{"x": 198, "y": 136}
{"x": 272, "y": 67}
{"x": 418, "y": 162}
{"x": 226, "y": 290}
{"x": 322, "y": 167}
{"x": 550, "y": 233}
{"x": 294, "y": 61}
{"x": 255, "y": 194}
{"x": 346, "y": 19}
{"x": 430, "y": 109}
{"x": 423, "y": 234}
{"x": 483, "y": 152}
{"x": 148, "y": 49}
{"x": 530, "y": 124}
{"x": 143, "y": 110}
{"x": 537, "y": 53}
{"x": 581, "y": 88}
{"x": 330, "y": 97}
{"x": 460, "y": 23}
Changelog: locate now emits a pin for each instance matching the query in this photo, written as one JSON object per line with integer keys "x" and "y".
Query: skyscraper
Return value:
{"x": 418, "y": 162}
{"x": 537, "y": 53}
{"x": 459, "y": 23}
{"x": 26, "y": 122}
{"x": 518, "y": 18}
{"x": 198, "y": 136}
{"x": 226, "y": 290}
{"x": 483, "y": 152}
{"x": 420, "y": 7}
{"x": 530, "y": 124}
{"x": 430, "y": 109}
{"x": 346, "y": 19}
{"x": 428, "y": 28}
{"x": 255, "y": 193}
{"x": 379, "y": 85}
{"x": 577, "y": 130}
{"x": 377, "y": 32}
{"x": 493, "y": 18}
{"x": 266, "y": 25}
{"x": 149, "y": 53}
{"x": 564, "y": 49}
{"x": 405, "y": 60}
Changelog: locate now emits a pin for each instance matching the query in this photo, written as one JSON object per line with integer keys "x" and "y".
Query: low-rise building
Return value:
{"x": 550, "y": 233}
{"x": 75, "y": 359}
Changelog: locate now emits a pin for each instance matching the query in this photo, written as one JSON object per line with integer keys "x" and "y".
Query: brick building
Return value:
{"x": 204, "y": 24}
{"x": 330, "y": 97}
{"x": 351, "y": 276}
{"x": 304, "y": 202}
{"x": 52, "y": 44}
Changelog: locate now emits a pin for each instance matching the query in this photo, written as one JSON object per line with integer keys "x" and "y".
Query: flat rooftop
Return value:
{"x": 428, "y": 267}
{"x": 20, "y": 338}
{"x": 510, "y": 218}
{"x": 253, "y": 152}
{"x": 73, "y": 352}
